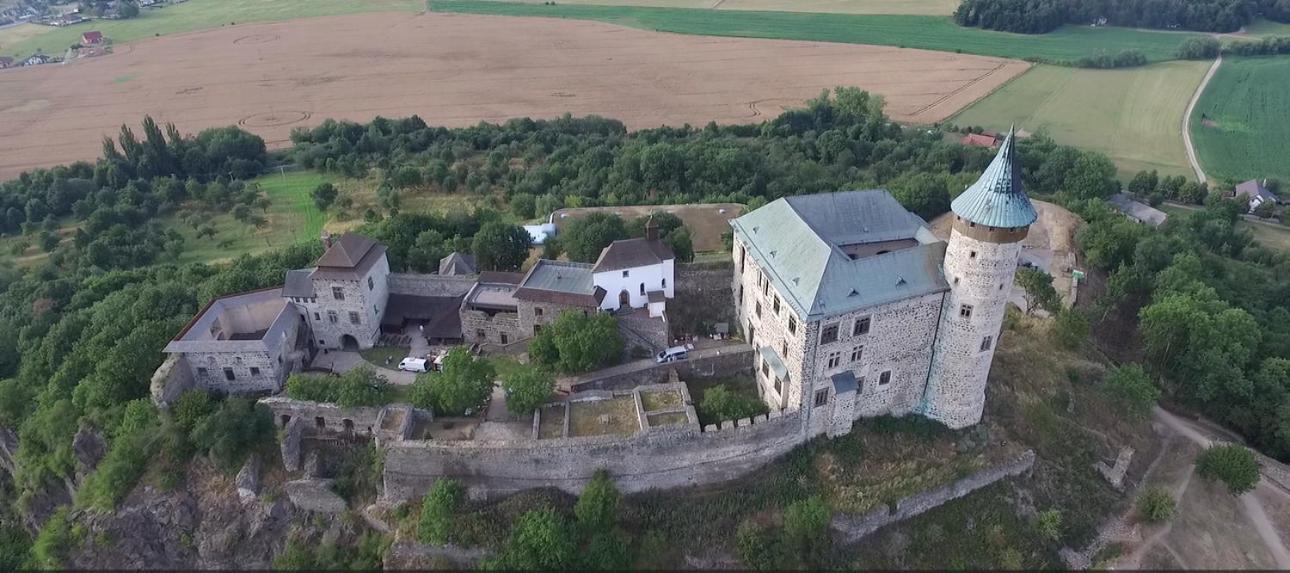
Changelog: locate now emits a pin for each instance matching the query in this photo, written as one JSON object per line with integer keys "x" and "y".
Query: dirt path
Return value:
{"x": 1186, "y": 128}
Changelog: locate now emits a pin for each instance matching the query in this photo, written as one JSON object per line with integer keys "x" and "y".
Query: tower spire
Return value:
{"x": 997, "y": 198}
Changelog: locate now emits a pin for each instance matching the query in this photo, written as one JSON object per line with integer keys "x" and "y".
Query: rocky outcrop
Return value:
{"x": 248, "y": 479}
{"x": 8, "y": 450}
{"x": 290, "y": 446}
{"x": 89, "y": 447}
{"x": 315, "y": 495}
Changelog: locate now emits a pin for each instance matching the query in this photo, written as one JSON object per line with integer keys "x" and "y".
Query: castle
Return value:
{"x": 856, "y": 309}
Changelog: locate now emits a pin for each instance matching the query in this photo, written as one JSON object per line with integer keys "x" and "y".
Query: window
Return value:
{"x": 331, "y": 317}
{"x": 229, "y": 375}
{"x": 765, "y": 284}
{"x": 480, "y": 334}
{"x": 829, "y": 334}
{"x": 765, "y": 369}
{"x": 971, "y": 254}
{"x": 758, "y": 307}
{"x": 779, "y": 386}
{"x": 776, "y": 305}
{"x": 792, "y": 325}
{"x": 965, "y": 311}
{"x": 664, "y": 282}
{"x": 370, "y": 285}
{"x": 821, "y": 397}
{"x": 338, "y": 293}
{"x": 537, "y": 311}
{"x": 956, "y": 281}
{"x": 987, "y": 343}
{"x": 642, "y": 288}
{"x": 857, "y": 353}
{"x": 353, "y": 318}
{"x": 375, "y": 310}
{"x": 505, "y": 339}
{"x": 536, "y": 329}
{"x": 835, "y": 358}
{"x": 742, "y": 255}
{"x": 202, "y": 372}
{"x": 626, "y": 274}
{"x": 862, "y": 326}
{"x": 860, "y": 385}
{"x": 783, "y": 349}
{"x": 884, "y": 378}
{"x": 255, "y": 371}
{"x": 1000, "y": 286}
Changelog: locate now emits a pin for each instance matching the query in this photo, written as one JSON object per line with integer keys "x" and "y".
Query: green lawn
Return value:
{"x": 928, "y": 32}
{"x": 1241, "y": 125}
{"x": 197, "y": 15}
{"x": 292, "y": 218}
{"x": 943, "y": 7}
{"x": 1263, "y": 27}
{"x": 1132, "y": 115}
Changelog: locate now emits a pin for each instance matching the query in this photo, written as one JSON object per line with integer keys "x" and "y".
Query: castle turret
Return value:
{"x": 990, "y": 219}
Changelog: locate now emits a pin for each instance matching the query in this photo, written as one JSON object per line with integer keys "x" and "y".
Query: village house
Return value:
{"x": 1255, "y": 193}
{"x": 984, "y": 139}
{"x": 1137, "y": 210}
{"x": 636, "y": 273}
{"x": 92, "y": 38}
{"x": 856, "y": 309}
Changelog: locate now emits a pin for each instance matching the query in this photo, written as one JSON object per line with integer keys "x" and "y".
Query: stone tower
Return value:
{"x": 990, "y": 219}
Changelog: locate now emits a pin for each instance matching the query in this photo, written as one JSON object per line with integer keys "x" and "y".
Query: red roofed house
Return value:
{"x": 92, "y": 38}
{"x": 981, "y": 140}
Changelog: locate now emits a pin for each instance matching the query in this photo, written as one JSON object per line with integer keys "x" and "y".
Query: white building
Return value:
{"x": 856, "y": 309}
{"x": 636, "y": 273}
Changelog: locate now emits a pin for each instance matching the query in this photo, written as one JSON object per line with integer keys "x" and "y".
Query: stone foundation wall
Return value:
{"x": 662, "y": 457}
{"x": 703, "y": 298}
{"x": 644, "y": 332}
{"x": 493, "y": 327}
{"x": 723, "y": 362}
{"x": 851, "y": 528}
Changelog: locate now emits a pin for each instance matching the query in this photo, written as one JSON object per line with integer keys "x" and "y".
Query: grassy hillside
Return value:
{"x": 1132, "y": 115}
{"x": 927, "y": 32}
{"x": 1241, "y": 125}
{"x": 927, "y": 7}
{"x": 190, "y": 16}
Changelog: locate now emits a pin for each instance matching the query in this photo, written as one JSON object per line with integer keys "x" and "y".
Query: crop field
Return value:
{"x": 925, "y": 32}
{"x": 1241, "y": 125}
{"x": 1132, "y": 115}
{"x": 192, "y": 16}
{"x": 924, "y": 7}
{"x": 456, "y": 70}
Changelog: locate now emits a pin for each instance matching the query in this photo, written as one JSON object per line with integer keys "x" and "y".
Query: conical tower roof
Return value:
{"x": 997, "y": 199}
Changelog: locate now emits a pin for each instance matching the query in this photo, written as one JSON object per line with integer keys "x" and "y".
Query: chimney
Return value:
{"x": 651, "y": 229}
{"x": 326, "y": 240}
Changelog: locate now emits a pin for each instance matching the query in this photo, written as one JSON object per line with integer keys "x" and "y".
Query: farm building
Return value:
{"x": 1256, "y": 193}
{"x": 1138, "y": 211}
{"x": 92, "y": 38}
{"x": 981, "y": 140}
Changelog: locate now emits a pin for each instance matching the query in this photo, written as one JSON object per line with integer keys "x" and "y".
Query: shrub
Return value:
{"x": 463, "y": 385}
{"x": 53, "y": 542}
{"x": 540, "y": 539}
{"x": 608, "y": 550}
{"x": 1049, "y": 524}
{"x": 1071, "y": 328}
{"x": 806, "y": 526}
{"x": 1130, "y": 387}
{"x": 238, "y": 427}
{"x": 720, "y": 404}
{"x": 758, "y": 547}
{"x": 1156, "y": 505}
{"x": 132, "y": 447}
{"x": 361, "y": 386}
{"x": 597, "y": 507}
{"x": 14, "y": 546}
{"x": 437, "y": 510}
{"x": 1199, "y": 48}
{"x": 1231, "y": 464}
{"x": 527, "y": 389}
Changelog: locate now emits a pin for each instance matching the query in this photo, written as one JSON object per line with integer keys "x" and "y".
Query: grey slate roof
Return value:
{"x": 458, "y": 264}
{"x": 844, "y": 382}
{"x": 1254, "y": 188}
{"x": 346, "y": 252}
{"x": 997, "y": 198}
{"x": 1138, "y": 211}
{"x": 561, "y": 282}
{"x": 632, "y": 253}
{"x": 798, "y": 240}
{"x": 299, "y": 283}
{"x": 772, "y": 359}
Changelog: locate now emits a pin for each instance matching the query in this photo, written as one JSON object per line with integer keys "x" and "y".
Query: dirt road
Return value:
{"x": 1186, "y": 128}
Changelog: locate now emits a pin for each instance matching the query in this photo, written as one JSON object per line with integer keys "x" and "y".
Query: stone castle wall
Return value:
{"x": 494, "y": 327}
{"x": 663, "y": 457}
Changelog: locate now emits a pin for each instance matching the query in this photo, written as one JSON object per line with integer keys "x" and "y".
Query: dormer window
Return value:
{"x": 626, "y": 274}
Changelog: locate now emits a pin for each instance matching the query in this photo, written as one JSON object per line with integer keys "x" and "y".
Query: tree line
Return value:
{"x": 1042, "y": 16}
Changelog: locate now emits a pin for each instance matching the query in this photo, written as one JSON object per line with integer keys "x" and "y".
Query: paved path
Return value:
{"x": 1186, "y": 127}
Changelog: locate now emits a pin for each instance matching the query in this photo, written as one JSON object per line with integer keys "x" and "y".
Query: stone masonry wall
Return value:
{"x": 493, "y": 327}
{"x": 368, "y": 302}
{"x": 364, "y": 420}
{"x": 528, "y": 311}
{"x": 851, "y": 528}
{"x": 658, "y": 458}
{"x": 726, "y": 361}
{"x": 703, "y": 298}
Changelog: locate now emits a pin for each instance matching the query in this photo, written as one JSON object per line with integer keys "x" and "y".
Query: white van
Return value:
{"x": 411, "y": 364}
{"x": 672, "y": 354}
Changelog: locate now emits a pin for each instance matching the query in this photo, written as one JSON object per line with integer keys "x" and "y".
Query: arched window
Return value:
{"x": 642, "y": 288}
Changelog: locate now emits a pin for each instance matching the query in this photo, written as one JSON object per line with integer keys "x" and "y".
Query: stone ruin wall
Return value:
{"x": 665, "y": 457}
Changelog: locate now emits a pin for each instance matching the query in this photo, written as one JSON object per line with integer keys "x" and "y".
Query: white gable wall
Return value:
{"x": 651, "y": 276}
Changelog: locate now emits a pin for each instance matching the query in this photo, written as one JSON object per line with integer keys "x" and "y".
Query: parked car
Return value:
{"x": 672, "y": 354}
{"x": 411, "y": 364}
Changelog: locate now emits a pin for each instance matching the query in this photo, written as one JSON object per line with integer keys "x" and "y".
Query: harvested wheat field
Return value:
{"x": 455, "y": 70}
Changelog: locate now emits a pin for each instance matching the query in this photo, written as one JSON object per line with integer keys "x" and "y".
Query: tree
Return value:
{"x": 463, "y": 385}
{"x": 438, "y": 509}
{"x": 1071, "y": 328}
{"x": 926, "y": 194}
{"x": 429, "y": 248}
{"x": 758, "y": 547}
{"x": 539, "y": 540}
{"x": 128, "y": 10}
{"x": 1232, "y": 464}
{"x": 523, "y": 205}
{"x": 1199, "y": 48}
{"x": 720, "y": 404}
{"x": 597, "y": 507}
{"x": 577, "y": 343}
{"x": 501, "y": 247}
{"x": 806, "y": 526}
{"x": 1144, "y": 183}
{"x": 608, "y": 550}
{"x": 527, "y": 389}
{"x": 49, "y": 241}
{"x": 1038, "y": 286}
{"x": 1131, "y": 388}
{"x": 584, "y": 238}
{"x": 324, "y": 195}
{"x": 681, "y": 245}
{"x": 1266, "y": 209}
{"x": 1156, "y": 505}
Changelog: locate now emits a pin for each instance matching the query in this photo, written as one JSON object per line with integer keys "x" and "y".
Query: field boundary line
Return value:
{"x": 1186, "y": 127}
{"x": 955, "y": 115}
